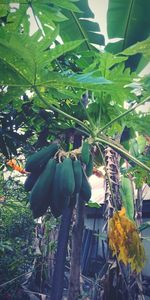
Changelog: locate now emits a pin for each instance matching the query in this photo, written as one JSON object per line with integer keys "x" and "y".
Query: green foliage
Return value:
{"x": 77, "y": 26}
{"x": 139, "y": 121}
{"x": 24, "y": 64}
{"x": 57, "y": 74}
{"x": 133, "y": 20}
{"x": 140, "y": 47}
{"x": 17, "y": 231}
{"x": 140, "y": 176}
{"x": 134, "y": 26}
{"x": 139, "y": 149}
{"x": 22, "y": 248}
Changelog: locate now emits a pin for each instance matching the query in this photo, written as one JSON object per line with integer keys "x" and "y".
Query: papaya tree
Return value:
{"x": 59, "y": 91}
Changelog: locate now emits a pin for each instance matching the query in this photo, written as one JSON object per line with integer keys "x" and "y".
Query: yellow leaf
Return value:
{"x": 125, "y": 242}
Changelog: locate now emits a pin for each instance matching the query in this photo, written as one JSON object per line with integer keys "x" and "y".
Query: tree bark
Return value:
{"x": 112, "y": 202}
{"x": 77, "y": 233}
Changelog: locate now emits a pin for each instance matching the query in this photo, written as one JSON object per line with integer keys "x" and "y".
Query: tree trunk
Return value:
{"x": 138, "y": 206}
{"x": 112, "y": 202}
{"x": 58, "y": 276}
{"x": 77, "y": 233}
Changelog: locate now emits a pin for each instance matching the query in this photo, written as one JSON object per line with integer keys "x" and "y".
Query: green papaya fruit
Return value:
{"x": 59, "y": 200}
{"x": 89, "y": 167}
{"x": 77, "y": 169}
{"x": 85, "y": 192}
{"x": 39, "y": 211}
{"x": 85, "y": 153}
{"x": 40, "y": 196}
{"x": 67, "y": 180}
{"x": 39, "y": 159}
{"x": 31, "y": 180}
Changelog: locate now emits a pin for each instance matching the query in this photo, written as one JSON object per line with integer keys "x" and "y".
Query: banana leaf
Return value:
{"x": 79, "y": 27}
{"x": 130, "y": 21}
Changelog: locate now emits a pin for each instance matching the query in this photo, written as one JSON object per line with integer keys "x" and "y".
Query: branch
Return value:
{"x": 124, "y": 153}
{"x": 124, "y": 114}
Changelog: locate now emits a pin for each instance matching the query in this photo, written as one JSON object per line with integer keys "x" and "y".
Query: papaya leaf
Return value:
{"x": 91, "y": 78}
{"x": 140, "y": 47}
{"x": 16, "y": 17}
{"x": 4, "y": 10}
{"x": 82, "y": 81}
{"x": 69, "y": 5}
{"x": 47, "y": 14}
{"x": 16, "y": 58}
{"x": 10, "y": 76}
{"x": 62, "y": 49}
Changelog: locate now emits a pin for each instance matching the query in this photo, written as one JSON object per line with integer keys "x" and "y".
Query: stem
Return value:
{"x": 60, "y": 111}
{"x": 88, "y": 116}
{"x": 82, "y": 131}
{"x": 123, "y": 114}
{"x": 121, "y": 150}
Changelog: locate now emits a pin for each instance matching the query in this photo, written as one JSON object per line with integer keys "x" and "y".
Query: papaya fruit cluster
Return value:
{"x": 56, "y": 178}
